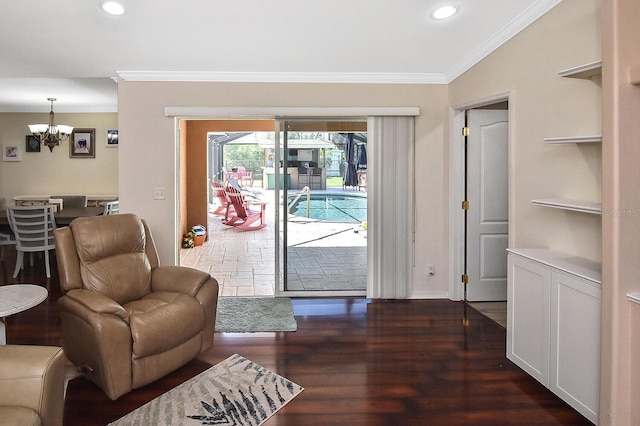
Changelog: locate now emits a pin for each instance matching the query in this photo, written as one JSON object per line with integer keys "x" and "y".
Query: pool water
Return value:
{"x": 331, "y": 207}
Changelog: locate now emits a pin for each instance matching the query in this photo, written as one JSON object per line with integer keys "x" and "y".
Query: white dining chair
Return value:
{"x": 111, "y": 207}
{"x": 5, "y": 240}
{"x": 32, "y": 228}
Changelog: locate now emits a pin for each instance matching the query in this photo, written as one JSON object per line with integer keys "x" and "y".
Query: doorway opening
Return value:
{"x": 323, "y": 207}
{"x": 319, "y": 243}
{"x": 482, "y": 224}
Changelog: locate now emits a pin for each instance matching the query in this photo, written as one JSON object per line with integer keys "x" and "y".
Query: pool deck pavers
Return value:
{"x": 321, "y": 256}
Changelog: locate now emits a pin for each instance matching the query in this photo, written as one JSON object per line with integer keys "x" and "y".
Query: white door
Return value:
{"x": 488, "y": 213}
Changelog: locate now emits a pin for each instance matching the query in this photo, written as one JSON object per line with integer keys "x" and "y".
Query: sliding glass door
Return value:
{"x": 321, "y": 171}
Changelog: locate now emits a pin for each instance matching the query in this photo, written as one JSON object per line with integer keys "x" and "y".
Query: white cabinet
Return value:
{"x": 528, "y": 316}
{"x": 574, "y": 367}
{"x": 553, "y": 324}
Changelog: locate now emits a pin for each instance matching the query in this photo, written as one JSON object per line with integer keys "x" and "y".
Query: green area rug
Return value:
{"x": 236, "y": 391}
{"x": 255, "y": 314}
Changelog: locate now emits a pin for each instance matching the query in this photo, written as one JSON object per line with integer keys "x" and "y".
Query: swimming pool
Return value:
{"x": 331, "y": 207}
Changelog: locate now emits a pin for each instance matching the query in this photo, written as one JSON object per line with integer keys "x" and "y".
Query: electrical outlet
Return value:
{"x": 159, "y": 194}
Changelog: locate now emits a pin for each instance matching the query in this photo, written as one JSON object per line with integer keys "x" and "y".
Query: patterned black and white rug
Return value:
{"x": 236, "y": 391}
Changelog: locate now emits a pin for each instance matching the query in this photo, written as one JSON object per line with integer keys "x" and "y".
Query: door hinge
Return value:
{"x": 465, "y": 278}
{"x": 465, "y": 131}
{"x": 465, "y": 205}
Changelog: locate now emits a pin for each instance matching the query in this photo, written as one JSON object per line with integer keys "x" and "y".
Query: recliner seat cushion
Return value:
{"x": 163, "y": 320}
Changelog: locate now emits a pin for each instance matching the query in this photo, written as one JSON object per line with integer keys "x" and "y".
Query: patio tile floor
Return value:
{"x": 321, "y": 256}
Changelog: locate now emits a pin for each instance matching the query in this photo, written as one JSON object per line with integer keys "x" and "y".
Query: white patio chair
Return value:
{"x": 33, "y": 228}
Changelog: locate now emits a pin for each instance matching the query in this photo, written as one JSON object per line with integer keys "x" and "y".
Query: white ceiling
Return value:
{"x": 71, "y": 50}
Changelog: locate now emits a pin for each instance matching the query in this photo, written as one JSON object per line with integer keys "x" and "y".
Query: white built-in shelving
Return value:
{"x": 554, "y": 300}
{"x": 634, "y": 297}
{"x": 569, "y": 204}
{"x": 574, "y": 139}
{"x": 587, "y": 71}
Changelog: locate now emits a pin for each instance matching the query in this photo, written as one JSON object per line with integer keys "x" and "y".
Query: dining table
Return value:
{"x": 65, "y": 216}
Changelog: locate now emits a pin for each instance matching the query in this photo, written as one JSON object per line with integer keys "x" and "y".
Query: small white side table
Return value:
{"x": 16, "y": 298}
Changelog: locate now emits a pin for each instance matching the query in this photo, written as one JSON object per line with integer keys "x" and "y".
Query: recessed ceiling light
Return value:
{"x": 113, "y": 8}
{"x": 446, "y": 11}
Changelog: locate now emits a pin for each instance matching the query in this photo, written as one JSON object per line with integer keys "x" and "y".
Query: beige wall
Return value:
{"x": 146, "y": 133}
{"x": 543, "y": 105}
{"x": 546, "y": 105}
{"x": 46, "y": 173}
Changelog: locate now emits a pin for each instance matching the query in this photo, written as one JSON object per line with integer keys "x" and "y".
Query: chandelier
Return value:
{"x": 50, "y": 134}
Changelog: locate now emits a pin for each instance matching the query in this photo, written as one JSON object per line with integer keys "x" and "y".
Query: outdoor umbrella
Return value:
{"x": 362, "y": 158}
{"x": 350, "y": 178}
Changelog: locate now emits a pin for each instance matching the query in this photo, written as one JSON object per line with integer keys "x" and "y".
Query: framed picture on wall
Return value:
{"x": 82, "y": 143}
{"x": 32, "y": 144}
{"x": 11, "y": 152}
{"x": 112, "y": 138}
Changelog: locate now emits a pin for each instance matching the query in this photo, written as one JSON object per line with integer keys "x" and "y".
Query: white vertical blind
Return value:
{"x": 391, "y": 206}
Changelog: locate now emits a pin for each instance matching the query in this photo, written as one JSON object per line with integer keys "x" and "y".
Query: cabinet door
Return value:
{"x": 575, "y": 343}
{"x": 528, "y": 301}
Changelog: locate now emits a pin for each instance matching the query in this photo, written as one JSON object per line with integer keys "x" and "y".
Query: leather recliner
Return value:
{"x": 126, "y": 320}
{"x": 31, "y": 385}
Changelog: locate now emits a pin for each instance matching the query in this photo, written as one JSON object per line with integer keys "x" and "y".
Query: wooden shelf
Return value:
{"x": 574, "y": 139}
{"x": 568, "y": 204}
{"x": 586, "y": 71}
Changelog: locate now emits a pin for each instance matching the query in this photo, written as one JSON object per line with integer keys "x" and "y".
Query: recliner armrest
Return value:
{"x": 179, "y": 279}
{"x": 32, "y": 377}
{"x": 92, "y": 302}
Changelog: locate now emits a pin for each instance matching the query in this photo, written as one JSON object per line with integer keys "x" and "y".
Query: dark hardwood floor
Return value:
{"x": 361, "y": 362}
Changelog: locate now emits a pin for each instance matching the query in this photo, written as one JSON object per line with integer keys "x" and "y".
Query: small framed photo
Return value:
{"x": 32, "y": 144}
{"x": 82, "y": 143}
{"x": 11, "y": 152}
{"x": 112, "y": 138}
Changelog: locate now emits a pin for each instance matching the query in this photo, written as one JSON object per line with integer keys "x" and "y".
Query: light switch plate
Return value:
{"x": 159, "y": 194}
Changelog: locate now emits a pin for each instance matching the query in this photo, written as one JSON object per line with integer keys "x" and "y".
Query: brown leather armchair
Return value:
{"x": 31, "y": 385}
{"x": 126, "y": 321}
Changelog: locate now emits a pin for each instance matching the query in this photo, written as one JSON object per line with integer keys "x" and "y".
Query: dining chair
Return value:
{"x": 32, "y": 227}
{"x": 72, "y": 201}
{"x": 246, "y": 180}
{"x": 111, "y": 207}
{"x": 5, "y": 240}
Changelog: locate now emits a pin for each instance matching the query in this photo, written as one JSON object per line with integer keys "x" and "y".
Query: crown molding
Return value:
{"x": 25, "y": 109}
{"x": 276, "y": 77}
{"x": 518, "y": 24}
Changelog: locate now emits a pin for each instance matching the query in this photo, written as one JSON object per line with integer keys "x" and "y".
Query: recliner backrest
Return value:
{"x": 112, "y": 256}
